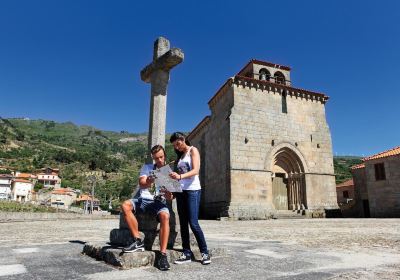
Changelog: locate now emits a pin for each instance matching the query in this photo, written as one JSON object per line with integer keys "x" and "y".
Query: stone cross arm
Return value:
{"x": 165, "y": 62}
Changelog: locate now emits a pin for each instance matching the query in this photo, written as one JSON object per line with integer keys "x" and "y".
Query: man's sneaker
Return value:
{"x": 205, "y": 258}
{"x": 136, "y": 246}
{"x": 162, "y": 262}
{"x": 183, "y": 258}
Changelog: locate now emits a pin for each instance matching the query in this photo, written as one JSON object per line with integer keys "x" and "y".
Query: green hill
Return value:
{"x": 342, "y": 166}
{"x": 32, "y": 144}
{"x": 28, "y": 145}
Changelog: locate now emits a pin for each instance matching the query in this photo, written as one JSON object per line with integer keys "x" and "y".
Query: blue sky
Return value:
{"x": 79, "y": 61}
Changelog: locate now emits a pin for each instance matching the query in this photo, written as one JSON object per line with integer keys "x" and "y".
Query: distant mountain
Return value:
{"x": 33, "y": 144}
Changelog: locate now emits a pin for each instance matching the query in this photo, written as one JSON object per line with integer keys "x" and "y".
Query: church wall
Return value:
{"x": 257, "y": 120}
{"x": 319, "y": 192}
{"x": 251, "y": 195}
{"x": 216, "y": 160}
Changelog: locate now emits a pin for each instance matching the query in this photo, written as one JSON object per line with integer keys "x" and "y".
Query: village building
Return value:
{"x": 5, "y": 186}
{"x": 345, "y": 192}
{"x": 21, "y": 190}
{"x": 377, "y": 185}
{"x": 25, "y": 176}
{"x": 49, "y": 177}
{"x": 85, "y": 201}
{"x": 63, "y": 197}
{"x": 266, "y": 147}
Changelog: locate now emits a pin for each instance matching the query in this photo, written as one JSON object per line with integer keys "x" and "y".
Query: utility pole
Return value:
{"x": 93, "y": 185}
{"x": 92, "y": 180}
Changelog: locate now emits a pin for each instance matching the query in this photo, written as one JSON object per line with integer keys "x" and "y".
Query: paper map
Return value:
{"x": 162, "y": 179}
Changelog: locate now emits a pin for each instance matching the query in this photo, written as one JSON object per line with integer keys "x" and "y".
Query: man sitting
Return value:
{"x": 148, "y": 203}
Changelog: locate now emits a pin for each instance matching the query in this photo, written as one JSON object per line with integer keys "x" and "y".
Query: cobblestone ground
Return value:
{"x": 326, "y": 248}
{"x": 353, "y": 234}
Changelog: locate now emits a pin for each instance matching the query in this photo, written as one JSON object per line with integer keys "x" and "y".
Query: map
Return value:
{"x": 162, "y": 179}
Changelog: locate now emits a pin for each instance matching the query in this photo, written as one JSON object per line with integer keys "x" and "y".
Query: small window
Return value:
{"x": 284, "y": 103}
{"x": 345, "y": 194}
{"x": 380, "y": 171}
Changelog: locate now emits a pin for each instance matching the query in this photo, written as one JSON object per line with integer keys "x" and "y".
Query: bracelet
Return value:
{"x": 180, "y": 176}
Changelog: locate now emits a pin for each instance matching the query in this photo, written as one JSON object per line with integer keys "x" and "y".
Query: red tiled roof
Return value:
{"x": 392, "y": 152}
{"x": 85, "y": 197}
{"x": 22, "y": 181}
{"x": 26, "y": 175}
{"x": 347, "y": 183}
{"x": 358, "y": 166}
{"x": 265, "y": 63}
{"x": 62, "y": 192}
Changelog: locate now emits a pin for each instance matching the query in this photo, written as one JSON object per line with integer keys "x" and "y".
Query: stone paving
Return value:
{"x": 272, "y": 249}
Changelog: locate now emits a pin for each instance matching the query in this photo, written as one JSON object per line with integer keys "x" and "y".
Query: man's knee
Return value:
{"x": 127, "y": 206}
{"x": 163, "y": 217}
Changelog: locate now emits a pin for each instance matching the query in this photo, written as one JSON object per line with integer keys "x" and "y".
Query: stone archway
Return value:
{"x": 287, "y": 164}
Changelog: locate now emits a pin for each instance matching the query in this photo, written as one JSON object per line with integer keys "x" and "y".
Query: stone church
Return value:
{"x": 266, "y": 147}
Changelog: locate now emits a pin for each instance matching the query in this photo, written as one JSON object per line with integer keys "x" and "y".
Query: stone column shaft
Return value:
{"x": 158, "y": 108}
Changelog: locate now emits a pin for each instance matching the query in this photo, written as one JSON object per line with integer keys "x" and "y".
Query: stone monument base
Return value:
{"x": 114, "y": 256}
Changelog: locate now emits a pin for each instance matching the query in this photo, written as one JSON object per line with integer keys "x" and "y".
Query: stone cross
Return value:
{"x": 157, "y": 73}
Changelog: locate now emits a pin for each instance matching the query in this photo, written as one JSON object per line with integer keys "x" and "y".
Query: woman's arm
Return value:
{"x": 195, "y": 155}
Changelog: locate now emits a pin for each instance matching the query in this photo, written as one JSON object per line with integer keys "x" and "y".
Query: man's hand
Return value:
{"x": 168, "y": 195}
{"x": 149, "y": 180}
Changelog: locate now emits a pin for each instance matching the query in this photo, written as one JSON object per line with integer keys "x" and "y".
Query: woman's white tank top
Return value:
{"x": 184, "y": 166}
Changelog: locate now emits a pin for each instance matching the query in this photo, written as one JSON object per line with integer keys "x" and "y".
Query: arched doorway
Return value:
{"x": 288, "y": 181}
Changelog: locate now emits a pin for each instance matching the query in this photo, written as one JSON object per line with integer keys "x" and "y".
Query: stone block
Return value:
{"x": 116, "y": 257}
{"x": 149, "y": 228}
{"x": 123, "y": 237}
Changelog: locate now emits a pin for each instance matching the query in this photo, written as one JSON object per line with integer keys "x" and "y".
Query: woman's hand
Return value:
{"x": 175, "y": 176}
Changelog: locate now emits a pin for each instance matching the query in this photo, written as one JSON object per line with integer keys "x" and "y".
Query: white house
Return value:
{"x": 5, "y": 186}
{"x": 49, "y": 178}
{"x": 21, "y": 190}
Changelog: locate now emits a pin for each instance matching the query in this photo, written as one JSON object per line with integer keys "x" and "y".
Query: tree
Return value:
{"x": 38, "y": 186}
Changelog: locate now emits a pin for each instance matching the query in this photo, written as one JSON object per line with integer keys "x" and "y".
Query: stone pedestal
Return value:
{"x": 149, "y": 229}
{"x": 116, "y": 257}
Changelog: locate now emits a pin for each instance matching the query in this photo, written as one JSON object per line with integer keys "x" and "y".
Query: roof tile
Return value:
{"x": 392, "y": 152}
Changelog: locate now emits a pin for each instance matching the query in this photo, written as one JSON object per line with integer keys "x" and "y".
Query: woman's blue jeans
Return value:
{"x": 188, "y": 203}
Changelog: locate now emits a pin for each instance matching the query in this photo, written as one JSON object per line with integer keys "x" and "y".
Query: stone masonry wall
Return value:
{"x": 360, "y": 192}
{"x": 257, "y": 120}
{"x": 384, "y": 195}
{"x": 215, "y": 163}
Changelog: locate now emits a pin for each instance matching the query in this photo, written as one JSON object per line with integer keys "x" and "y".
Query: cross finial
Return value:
{"x": 161, "y": 46}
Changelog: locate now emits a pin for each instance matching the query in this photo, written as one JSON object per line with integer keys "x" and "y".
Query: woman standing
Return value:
{"x": 188, "y": 202}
